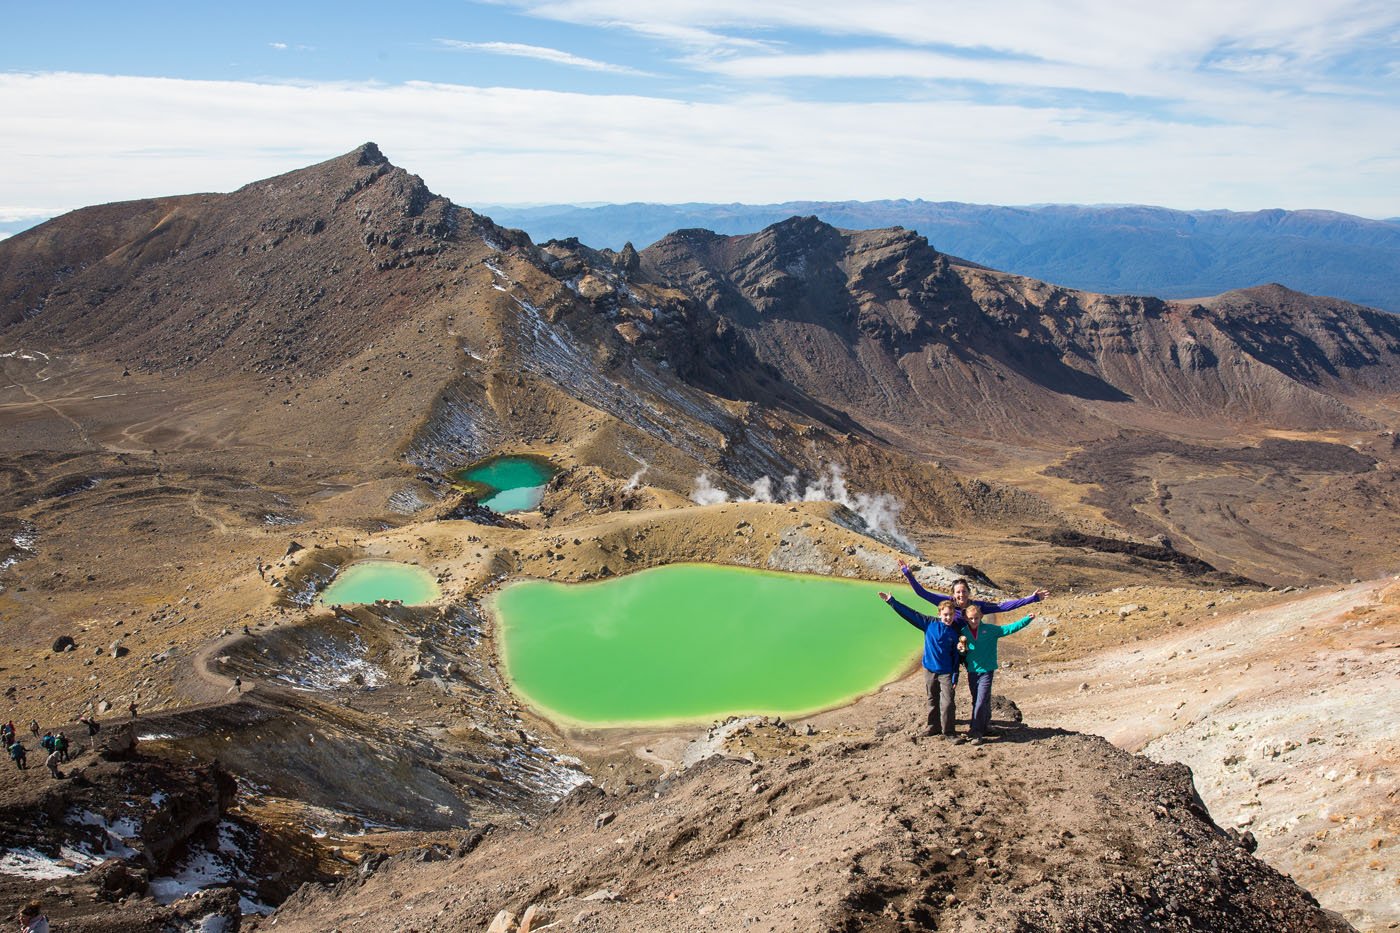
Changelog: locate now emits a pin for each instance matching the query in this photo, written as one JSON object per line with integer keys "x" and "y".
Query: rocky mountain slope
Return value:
{"x": 1127, "y": 249}
{"x": 846, "y": 829}
{"x": 205, "y": 380}
{"x": 344, "y": 306}
{"x": 1280, "y": 745}
{"x": 881, "y": 326}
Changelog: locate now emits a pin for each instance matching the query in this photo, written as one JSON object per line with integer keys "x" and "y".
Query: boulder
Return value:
{"x": 63, "y": 643}
{"x": 1005, "y": 710}
{"x": 116, "y": 879}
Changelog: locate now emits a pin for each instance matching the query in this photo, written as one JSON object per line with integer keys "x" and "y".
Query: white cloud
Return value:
{"x": 129, "y": 137}
{"x": 11, "y": 215}
{"x": 279, "y": 46}
{"x": 539, "y": 53}
{"x": 1076, "y": 30}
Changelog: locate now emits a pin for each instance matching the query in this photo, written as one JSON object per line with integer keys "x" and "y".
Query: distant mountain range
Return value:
{"x": 1112, "y": 250}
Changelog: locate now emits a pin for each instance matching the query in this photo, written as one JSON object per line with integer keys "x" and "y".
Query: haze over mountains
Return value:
{"x": 192, "y": 380}
{"x": 1126, "y": 249}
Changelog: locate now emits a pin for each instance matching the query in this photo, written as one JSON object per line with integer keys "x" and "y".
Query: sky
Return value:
{"x": 1245, "y": 105}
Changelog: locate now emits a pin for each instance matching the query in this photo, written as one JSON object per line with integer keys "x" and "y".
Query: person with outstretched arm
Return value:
{"x": 982, "y": 638}
{"x": 940, "y": 664}
{"x": 961, "y": 596}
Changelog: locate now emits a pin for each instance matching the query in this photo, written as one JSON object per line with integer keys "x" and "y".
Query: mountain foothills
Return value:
{"x": 1129, "y": 249}
{"x": 214, "y": 402}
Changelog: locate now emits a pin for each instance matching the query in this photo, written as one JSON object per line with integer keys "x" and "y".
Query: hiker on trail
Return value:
{"x": 46, "y": 743}
{"x": 940, "y": 664}
{"x": 31, "y": 918}
{"x": 51, "y": 763}
{"x": 961, "y": 597}
{"x": 60, "y": 745}
{"x": 7, "y": 733}
{"x": 92, "y": 728}
{"x": 18, "y": 755}
{"x": 34, "y": 727}
{"x": 982, "y": 640}
{"x": 237, "y": 685}
{"x": 131, "y": 708}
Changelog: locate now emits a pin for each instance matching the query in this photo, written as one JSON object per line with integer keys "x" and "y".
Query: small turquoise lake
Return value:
{"x": 368, "y": 581}
{"x": 697, "y": 642}
{"x": 509, "y": 484}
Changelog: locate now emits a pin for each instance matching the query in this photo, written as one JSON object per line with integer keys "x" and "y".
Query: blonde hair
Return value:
{"x": 972, "y": 610}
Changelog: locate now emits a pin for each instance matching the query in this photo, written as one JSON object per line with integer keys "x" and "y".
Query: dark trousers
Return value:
{"x": 980, "y": 686}
{"x": 941, "y": 701}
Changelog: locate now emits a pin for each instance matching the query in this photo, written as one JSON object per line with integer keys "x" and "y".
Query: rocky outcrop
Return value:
{"x": 1042, "y": 830}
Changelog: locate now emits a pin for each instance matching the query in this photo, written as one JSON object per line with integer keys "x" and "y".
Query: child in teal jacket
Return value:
{"x": 982, "y": 638}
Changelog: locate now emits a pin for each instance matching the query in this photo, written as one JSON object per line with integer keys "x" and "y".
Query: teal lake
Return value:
{"x": 510, "y": 484}
{"x": 371, "y": 580}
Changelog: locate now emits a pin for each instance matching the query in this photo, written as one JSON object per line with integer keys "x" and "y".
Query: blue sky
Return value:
{"x": 1246, "y": 105}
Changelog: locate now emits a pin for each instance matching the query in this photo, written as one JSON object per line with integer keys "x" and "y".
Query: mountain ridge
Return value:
{"x": 1109, "y": 249}
{"x": 364, "y": 311}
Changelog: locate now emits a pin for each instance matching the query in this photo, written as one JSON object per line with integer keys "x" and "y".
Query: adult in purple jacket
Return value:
{"x": 962, "y": 596}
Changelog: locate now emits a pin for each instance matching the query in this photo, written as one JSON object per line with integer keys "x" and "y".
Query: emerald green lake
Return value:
{"x": 696, "y": 642}
{"x": 370, "y": 580}
{"x": 509, "y": 484}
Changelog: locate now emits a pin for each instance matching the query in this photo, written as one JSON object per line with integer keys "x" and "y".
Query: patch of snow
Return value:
{"x": 203, "y": 868}
{"x": 331, "y": 667}
{"x": 496, "y": 270}
{"x": 31, "y": 863}
{"x": 407, "y": 501}
{"x": 117, "y": 831}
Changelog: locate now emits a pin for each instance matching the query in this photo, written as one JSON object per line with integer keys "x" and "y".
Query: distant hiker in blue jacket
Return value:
{"x": 940, "y": 664}
{"x": 982, "y": 638}
{"x": 961, "y": 597}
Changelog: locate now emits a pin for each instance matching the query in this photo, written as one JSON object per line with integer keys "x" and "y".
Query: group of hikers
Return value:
{"x": 958, "y": 636}
{"x": 56, "y": 745}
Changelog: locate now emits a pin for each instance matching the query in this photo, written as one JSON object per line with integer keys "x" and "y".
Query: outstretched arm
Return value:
{"x": 1018, "y": 624}
{"x": 1010, "y": 604}
{"x": 934, "y": 598}
{"x": 916, "y": 619}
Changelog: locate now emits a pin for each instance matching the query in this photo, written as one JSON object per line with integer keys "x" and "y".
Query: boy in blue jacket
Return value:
{"x": 940, "y": 663}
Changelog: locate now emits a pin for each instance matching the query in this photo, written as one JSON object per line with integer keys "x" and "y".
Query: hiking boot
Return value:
{"x": 929, "y": 731}
{"x": 975, "y": 740}
{"x": 958, "y": 739}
